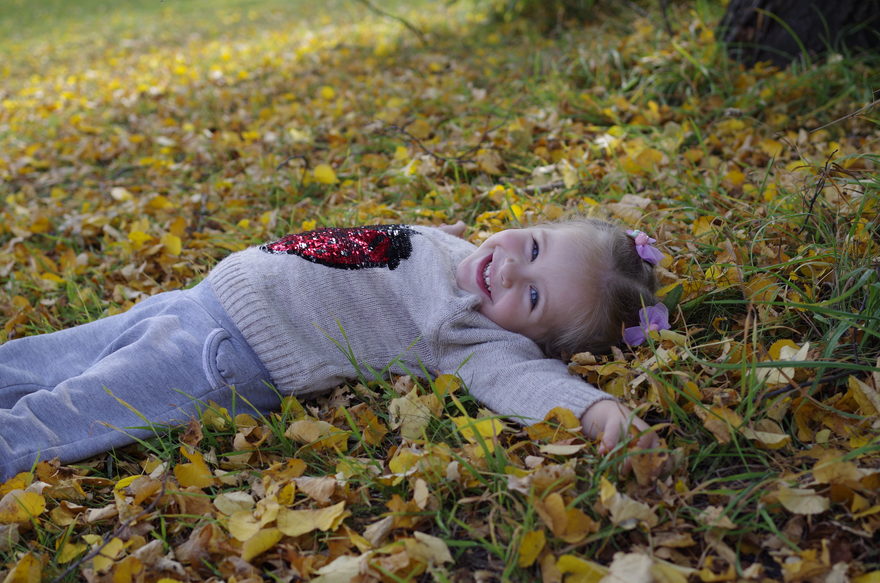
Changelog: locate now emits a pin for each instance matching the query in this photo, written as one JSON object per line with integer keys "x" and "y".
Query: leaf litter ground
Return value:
{"x": 139, "y": 148}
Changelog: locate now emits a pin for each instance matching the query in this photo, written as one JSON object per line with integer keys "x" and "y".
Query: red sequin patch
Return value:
{"x": 348, "y": 248}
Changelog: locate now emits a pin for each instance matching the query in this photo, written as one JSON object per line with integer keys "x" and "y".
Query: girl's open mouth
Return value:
{"x": 483, "y": 277}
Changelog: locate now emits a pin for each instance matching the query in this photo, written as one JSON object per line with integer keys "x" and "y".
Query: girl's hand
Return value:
{"x": 456, "y": 230}
{"x": 611, "y": 421}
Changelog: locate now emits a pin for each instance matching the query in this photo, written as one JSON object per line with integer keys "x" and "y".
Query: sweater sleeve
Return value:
{"x": 509, "y": 374}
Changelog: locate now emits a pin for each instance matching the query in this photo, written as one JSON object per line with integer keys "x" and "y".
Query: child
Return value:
{"x": 299, "y": 315}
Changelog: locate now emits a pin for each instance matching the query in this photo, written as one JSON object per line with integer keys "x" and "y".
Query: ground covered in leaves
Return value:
{"x": 141, "y": 142}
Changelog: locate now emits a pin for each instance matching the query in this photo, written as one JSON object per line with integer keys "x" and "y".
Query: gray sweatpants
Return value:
{"x": 82, "y": 391}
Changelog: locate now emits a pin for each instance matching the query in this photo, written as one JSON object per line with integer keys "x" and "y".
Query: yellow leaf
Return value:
{"x": 865, "y": 396}
{"x": 872, "y": 577}
{"x": 107, "y": 555}
{"x": 802, "y": 500}
{"x": 20, "y": 506}
{"x": 517, "y": 211}
{"x": 489, "y": 161}
{"x": 771, "y": 147}
{"x": 127, "y": 570}
{"x": 719, "y": 420}
{"x": 242, "y": 525}
{"x": 410, "y": 414}
{"x": 648, "y": 159}
{"x": 28, "y": 569}
{"x": 625, "y": 511}
{"x": 178, "y": 227}
{"x": 372, "y": 428}
{"x": 420, "y": 128}
{"x": 138, "y": 238}
{"x": 446, "y": 383}
{"x": 427, "y": 549}
{"x": 580, "y": 570}
{"x": 421, "y": 494}
{"x": 776, "y": 349}
{"x": 342, "y": 569}
{"x": 488, "y": 428}
{"x": 52, "y": 277}
{"x": 766, "y": 439}
{"x": 318, "y": 489}
{"x": 216, "y": 417}
{"x": 530, "y": 546}
{"x": 734, "y": 178}
{"x": 561, "y": 449}
{"x": 120, "y": 194}
{"x": 299, "y": 522}
{"x": 231, "y": 502}
{"x": 401, "y": 154}
{"x": 70, "y": 551}
{"x": 195, "y": 473}
{"x": 260, "y": 543}
{"x": 705, "y": 224}
{"x": 784, "y": 351}
{"x": 569, "y": 524}
{"x": 316, "y": 433}
{"x": 324, "y": 174}
{"x": 404, "y": 459}
{"x": 761, "y": 288}
{"x": 125, "y": 482}
{"x": 172, "y": 244}
{"x": 663, "y": 572}
{"x": 160, "y": 202}
{"x": 328, "y": 92}
{"x": 569, "y": 174}
{"x": 837, "y": 471}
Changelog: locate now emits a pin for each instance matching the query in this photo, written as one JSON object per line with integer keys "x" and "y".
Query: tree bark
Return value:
{"x": 780, "y": 31}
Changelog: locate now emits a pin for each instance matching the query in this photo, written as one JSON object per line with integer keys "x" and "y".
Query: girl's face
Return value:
{"x": 529, "y": 281}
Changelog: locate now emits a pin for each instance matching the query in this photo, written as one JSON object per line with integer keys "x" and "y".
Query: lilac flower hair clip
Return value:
{"x": 654, "y": 317}
{"x": 644, "y": 247}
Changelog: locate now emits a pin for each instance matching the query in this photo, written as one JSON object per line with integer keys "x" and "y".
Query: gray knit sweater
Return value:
{"x": 315, "y": 306}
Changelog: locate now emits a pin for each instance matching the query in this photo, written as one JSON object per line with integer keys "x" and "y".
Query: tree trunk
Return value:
{"x": 754, "y": 31}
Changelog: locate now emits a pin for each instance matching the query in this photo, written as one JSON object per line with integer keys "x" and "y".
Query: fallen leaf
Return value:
{"x": 625, "y": 511}
{"x": 261, "y": 542}
{"x": 196, "y": 473}
{"x": 299, "y": 522}
{"x": 578, "y": 570}
{"x": 568, "y": 523}
{"x": 231, "y": 502}
{"x": 19, "y": 506}
{"x": 318, "y": 489}
{"x": 427, "y": 549}
{"x": 802, "y": 500}
{"x": 530, "y": 546}
{"x": 409, "y": 414}
{"x": 28, "y": 569}
{"x": 324, "y": 174}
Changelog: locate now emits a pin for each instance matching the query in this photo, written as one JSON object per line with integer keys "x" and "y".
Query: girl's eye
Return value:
{"x": 534, "y": 249}
{"x": 533, "y": 297}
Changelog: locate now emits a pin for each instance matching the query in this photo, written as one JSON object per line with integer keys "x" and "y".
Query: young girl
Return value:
{"x": 305, "y": 313}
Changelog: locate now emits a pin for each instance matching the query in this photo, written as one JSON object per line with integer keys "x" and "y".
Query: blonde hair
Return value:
{"x": 618, "y": 283}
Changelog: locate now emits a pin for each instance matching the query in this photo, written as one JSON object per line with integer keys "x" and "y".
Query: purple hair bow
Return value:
{"x": 644, "y": 247}
{"x": 654, "y": 317}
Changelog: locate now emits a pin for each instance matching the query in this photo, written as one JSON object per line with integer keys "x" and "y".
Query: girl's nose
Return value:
{"x": 509, "y": 272}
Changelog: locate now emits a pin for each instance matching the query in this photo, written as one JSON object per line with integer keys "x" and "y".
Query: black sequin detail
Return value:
{"x": 348, "y": 248}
